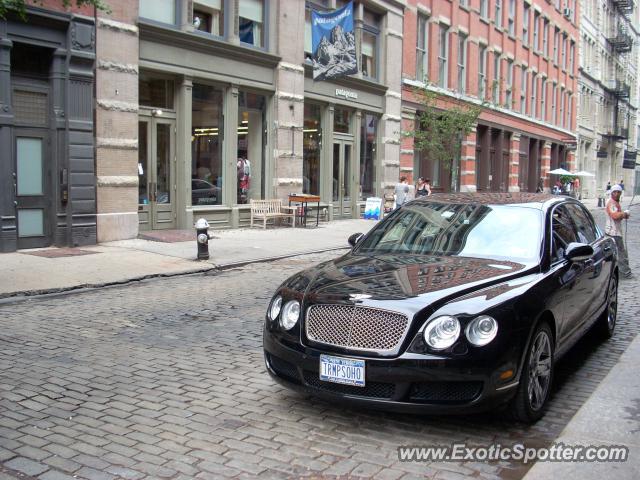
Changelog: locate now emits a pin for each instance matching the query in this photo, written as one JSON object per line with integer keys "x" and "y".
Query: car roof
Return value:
{"x": 535, "y": 200}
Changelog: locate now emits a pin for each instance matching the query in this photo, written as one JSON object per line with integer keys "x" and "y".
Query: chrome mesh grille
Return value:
{"x": 356, "y": 327}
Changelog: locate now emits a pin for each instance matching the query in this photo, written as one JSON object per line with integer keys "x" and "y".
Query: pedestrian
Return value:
{"x": 428, "y": 186}
{"x": 613, "y": 228}
{"x": 607, "y": 191}
{"x": 422, "y": 188}
{"x": 402, "y": 192}
{"x": 540, "y": 187}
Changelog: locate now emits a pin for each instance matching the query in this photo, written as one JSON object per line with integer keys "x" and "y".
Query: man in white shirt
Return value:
{"x": 613, "y": 228}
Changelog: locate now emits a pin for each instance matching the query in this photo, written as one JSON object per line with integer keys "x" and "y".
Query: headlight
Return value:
{"x": 290, "y": 314}
{"x": 274, "y": 309}
{"x": 481, "y": 330}
{"x": 442, "y": 332}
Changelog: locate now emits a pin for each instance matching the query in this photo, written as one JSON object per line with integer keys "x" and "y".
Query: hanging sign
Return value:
{"x": 333, "y": 43}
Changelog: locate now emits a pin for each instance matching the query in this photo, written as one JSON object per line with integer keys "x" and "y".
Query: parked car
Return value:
{"x": 203, "y": 192}
{"x": 453, "y": 303}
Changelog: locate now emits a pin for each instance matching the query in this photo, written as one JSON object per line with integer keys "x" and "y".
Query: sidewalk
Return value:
{"x": 52, "y": 270}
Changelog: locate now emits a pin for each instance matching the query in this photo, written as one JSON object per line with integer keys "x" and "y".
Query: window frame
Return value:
{"x": 265, "y": 26}
{"x": 373, "y": 30}
{"x": 498, "y": 13}
{"x": 482, "y": 71}
{"x": 422, "y": 63}
{"x": 524, "y": 79}
{"x": 497, "y": 67}
{"x": 511, "y": 18}
{"x": 443, "y": 61}
{"x": 462, "y": 62}
{"x": 525, "y": 24}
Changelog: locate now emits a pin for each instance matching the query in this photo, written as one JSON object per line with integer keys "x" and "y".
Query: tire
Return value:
{"x": 606, "y": 323}
{"x": 534, "y": 390}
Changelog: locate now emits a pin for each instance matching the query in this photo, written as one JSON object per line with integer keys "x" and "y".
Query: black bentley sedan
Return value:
{"x": 453, "y": 303}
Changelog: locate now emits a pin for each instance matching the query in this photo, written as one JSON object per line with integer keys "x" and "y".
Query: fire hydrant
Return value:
{"x": 203, "y": 236}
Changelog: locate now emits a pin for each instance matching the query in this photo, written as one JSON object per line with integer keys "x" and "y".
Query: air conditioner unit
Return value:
{"x": 567, "y": 12}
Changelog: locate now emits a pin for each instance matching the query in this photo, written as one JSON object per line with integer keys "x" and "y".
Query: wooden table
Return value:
{"x": 302, "y": 200}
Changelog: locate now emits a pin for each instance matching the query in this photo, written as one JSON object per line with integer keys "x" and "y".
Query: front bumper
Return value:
{"x": 406, "y": 383}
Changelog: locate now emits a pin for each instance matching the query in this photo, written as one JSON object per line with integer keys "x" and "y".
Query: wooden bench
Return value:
{"x": 266, "y": 209}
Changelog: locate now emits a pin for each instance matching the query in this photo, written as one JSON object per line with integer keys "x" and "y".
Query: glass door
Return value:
{"x": 31, "y": 180}
{"x": 342, "y": 179}
{"x": 156, "y": 174}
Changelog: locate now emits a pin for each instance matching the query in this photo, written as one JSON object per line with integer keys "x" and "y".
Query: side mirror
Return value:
{"x": 355, "y": 238}
{"x": 578, "y": 252}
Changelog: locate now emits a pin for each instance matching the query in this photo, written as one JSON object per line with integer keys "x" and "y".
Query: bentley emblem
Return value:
{"x": 358, "y": 297}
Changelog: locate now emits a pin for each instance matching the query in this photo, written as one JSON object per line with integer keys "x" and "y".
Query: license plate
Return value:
{"x": 342, "y": 370}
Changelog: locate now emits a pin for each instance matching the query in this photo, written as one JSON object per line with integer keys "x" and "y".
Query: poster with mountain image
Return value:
{"x": 333, "y": 43}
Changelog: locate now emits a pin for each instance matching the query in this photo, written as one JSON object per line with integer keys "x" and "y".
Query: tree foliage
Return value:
{"x": 19, "y": 7}
{"x": 439, "y": 131}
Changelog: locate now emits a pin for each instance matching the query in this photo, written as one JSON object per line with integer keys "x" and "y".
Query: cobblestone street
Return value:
{"x": 165, "y": 379}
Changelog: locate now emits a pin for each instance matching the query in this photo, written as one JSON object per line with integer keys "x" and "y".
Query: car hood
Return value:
{"x": 403, "y": 282}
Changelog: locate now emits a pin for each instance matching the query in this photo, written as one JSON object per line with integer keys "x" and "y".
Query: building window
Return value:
{"x": 561, "y": 100}
{"x": 482, "y": 72}
{"x": 498, "y": 13}
{"x": 369, "y": 130}
{"x": 533, "y": 111}
{"x": 495, "y": 92}
{"x": 251, "y": 22}
{"x": 443, "y": 55}
{"x": 572, "y": 53}
{"x": 525, "y": 25}
{"x": 543, "y": 98}
{"x": 250, "y": 158}
{"x": 462, "y": 62}
{"x": 536, "y": 31}
{"x": 554, "y": 92}
{"x": 312, "y": 143}
{"x": 369, "y": 45}
{"x": 155, "y": 92}
{"x": 206, "y": 146}
{"x": 484, "y": 8}
{"x": 159, "y": 10}
{"x": 509, "y": 90}
{"x": 422, "y": 42}
{"x": 512, "y": 17}
{"x": 208, "y": 16}
{"x": 569, "y": 106}
{"x": 523, "y": 90}
{"x": 564, "y": 52}
{"x": 545, "y": 38}
{"x": 556, "y": 40}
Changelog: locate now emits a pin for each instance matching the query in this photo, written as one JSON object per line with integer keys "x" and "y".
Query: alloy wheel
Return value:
{"x": 539, "y": 370}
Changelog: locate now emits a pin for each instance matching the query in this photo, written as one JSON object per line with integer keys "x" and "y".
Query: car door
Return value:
{"x": 595, "y": 275}
{"x": 568, "y": 276}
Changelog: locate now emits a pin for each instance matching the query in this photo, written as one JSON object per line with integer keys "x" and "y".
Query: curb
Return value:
{"x": 13, "y": 297}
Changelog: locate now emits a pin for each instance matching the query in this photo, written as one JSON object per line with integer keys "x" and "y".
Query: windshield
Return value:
{"x": 466, "y": 230}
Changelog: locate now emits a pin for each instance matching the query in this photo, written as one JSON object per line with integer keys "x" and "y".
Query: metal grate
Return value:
{"x": 371, "y": 389}
{"x": 352, "y": 326}
{"x": 284, "y": 368}
{"x": 30, "y": 107}
{"x": 445, "y": 392}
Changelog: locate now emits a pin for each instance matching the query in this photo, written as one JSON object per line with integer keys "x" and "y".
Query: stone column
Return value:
{"x": 514, "y": 162}
{"x": 545, "y": 164}
{"x": 408, "y": 156}
{"x": 468, "y": 174}
{"x": 117, "y": 123}
{"x": 8, "y": 234}
{"x": 184, "y": 100}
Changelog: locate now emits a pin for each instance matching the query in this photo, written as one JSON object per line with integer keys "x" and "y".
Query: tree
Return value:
{"x": 20, "y": 8}
{"x": 440, "y": 129}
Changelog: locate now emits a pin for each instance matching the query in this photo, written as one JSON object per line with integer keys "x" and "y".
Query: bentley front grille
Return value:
{"x": 356, "y": 327}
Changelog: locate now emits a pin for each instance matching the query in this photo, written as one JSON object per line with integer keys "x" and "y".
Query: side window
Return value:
{"x": 563, "y": 232}
{"x": 587, "y": 232}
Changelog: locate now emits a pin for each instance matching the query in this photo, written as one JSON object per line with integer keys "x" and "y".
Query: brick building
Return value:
{"x": 519, "y": 59}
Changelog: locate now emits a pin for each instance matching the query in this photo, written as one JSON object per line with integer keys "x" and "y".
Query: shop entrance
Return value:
{"x": 156, "y": 173}
{"x": 341, "y": 178}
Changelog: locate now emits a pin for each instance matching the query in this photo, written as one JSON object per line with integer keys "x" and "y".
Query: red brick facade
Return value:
{"x": 511, "y": 148}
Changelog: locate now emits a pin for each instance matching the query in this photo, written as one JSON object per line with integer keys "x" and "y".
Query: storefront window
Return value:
{"x": 155, "y": 92}
{"x": 341, "y": 121}
{"x": 159, "y": 10}
{"x": 312, "y": 142}
{"x": 250, "y": 157}
{"x": 251, "y": 22}
{"x": 206, "y": 146}
{"x": 208, "y": 16}
{"x": 368, "y": 156}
